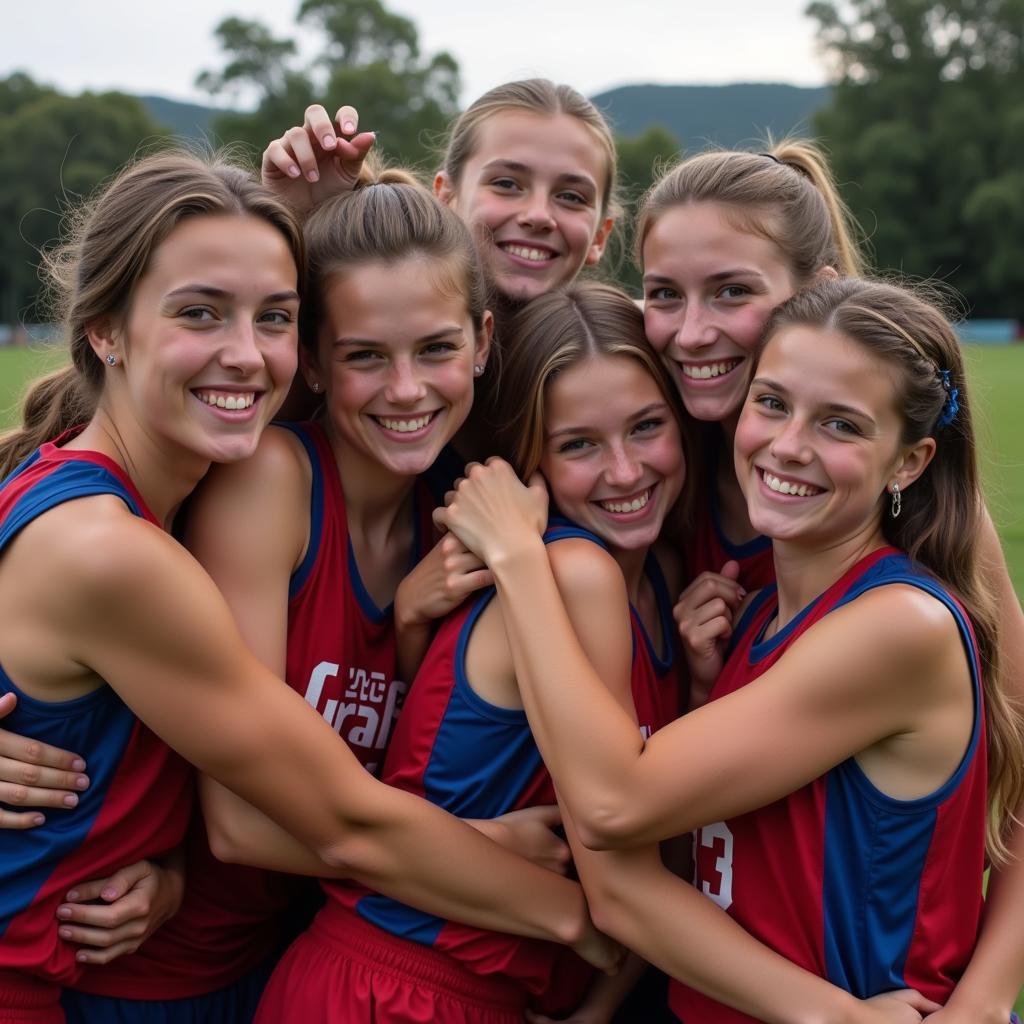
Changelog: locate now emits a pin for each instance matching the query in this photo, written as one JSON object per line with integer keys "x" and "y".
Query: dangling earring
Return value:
{"x": 111, "y": 359}
{"x": 315, "y": 387}
{"x": 897, "y": 500}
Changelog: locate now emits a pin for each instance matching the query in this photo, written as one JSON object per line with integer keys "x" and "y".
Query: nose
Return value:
{"x": 535, "y": 211}
{"x": 241, "y": 351}
{"x": 622, "y": 469}
{"x": 405, "y": 385}
{"x": 790, "y": 443}
{"x": 695, "y": 330}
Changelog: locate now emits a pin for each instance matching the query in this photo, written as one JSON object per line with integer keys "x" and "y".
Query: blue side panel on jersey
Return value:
{"x": 98, "y": 726}
{"x": 316, "y": 508}
{"x": 878, "y": 844}
{"x": 870, "y": 850}
{"x": 398, "y": 919}
{"x": 76, "y": 478}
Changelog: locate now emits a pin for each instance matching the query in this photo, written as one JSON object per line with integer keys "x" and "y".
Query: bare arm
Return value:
{"x": 826, "y": 700}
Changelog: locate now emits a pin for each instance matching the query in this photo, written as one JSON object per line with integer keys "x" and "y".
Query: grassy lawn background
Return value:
{"x": 997, "y": 389}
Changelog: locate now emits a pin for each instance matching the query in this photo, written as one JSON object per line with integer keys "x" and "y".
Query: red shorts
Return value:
{"x": 344, "y": 970}
{"x": 28, "y": 1000}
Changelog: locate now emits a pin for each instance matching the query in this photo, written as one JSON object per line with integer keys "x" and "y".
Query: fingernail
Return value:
{"x": 73, "y": 895}
{"x": 313, "y": 176}
{"x": 64, "y": 912}
{"x": 81, "y": 958}
{"x": 71, "y": 800}
{"x": 78, "y": 765}
{"x": 82, "y": 782}
{"x": 348, "y": 127}
{"x": 293, "y": 171}
{"x": 64, "y": 933}
{"x": 109, "y": 894}
{"x": 329, "y": 141}
{"x": 38, "y": 819}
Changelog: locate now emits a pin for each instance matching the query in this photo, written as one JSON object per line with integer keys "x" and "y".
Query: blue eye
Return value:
{"x": 841, "y": 426}
{"x": 577, "y": 444}
{"x": 662, "y": 294}
{"x": 277, "y": 316}
{"x": 769, "y": 403}
{"x": 734, "y": 291}
{"x": 646, "y": 426}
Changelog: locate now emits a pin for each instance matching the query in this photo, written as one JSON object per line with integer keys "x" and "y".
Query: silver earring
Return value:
{"x": 111, "y": 359}
{"x": 315, "y": 387}
{"x": 478, "y": 370}
{"x": 897, "y": 500}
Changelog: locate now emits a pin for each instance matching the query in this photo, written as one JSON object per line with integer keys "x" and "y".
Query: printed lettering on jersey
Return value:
{"x": 713, "y": 850}
{"x": 364, "y": 712}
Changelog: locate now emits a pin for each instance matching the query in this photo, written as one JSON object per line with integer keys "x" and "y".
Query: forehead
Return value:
{"x": 824, "y": 365}
{"x": 600, "y": 389}
{"x": 232, "y": 252}
{"x": 556, "y": 144}
{"x": 701, "y": 238}
{"x": 410, "y": 298}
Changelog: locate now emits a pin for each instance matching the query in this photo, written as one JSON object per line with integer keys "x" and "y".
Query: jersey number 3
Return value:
{"x": 714, "y": 863}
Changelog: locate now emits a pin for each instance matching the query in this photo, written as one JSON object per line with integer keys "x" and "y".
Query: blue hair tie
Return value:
{"x": 952, "y": 404}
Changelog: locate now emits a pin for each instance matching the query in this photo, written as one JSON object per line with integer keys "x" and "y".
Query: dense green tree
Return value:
{"x": 54, "y": 149}
{"x": 926, "y": 131}
{"x": 368, "y": 57}
{"x": 641, "y": 160}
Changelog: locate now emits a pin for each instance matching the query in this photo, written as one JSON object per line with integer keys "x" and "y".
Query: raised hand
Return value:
{"x": 318, "y": 159}
{"x": 704, "y": 614}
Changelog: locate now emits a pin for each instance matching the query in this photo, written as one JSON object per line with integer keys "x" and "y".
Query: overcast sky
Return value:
{"x": 158, "y": 46}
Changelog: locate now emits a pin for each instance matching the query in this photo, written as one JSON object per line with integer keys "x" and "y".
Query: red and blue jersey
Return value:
{"x": 140, "y": 794}
{"x": 870, "y": 892}
{"x": 708, "y": 548}
{"x": 478, "y": 760}
{"x": 341, "y": 658}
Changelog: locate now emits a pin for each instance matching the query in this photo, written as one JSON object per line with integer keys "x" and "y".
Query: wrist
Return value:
{"x": 521, "y": 554}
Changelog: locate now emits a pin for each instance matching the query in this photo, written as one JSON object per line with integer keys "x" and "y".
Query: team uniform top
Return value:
{"x": 341, "y": 658}
{"x": 708, "y": 548}
{"x": 478, "y": 760}
{"x": 140, "y": 794}
{"x": 870, "y": 892}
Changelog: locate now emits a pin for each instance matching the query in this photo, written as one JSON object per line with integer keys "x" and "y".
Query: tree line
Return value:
{"x": 925, "y": 130}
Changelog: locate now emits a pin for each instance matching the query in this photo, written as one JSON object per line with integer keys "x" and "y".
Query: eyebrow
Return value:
{"x": 830, "y": 406}
{"x": 638, "y": 415}
{"x": 221, "y": 293}
{"x": 513, "y": 165}
{"x": 721, "y": 275}
{"x": 353, "y": 342}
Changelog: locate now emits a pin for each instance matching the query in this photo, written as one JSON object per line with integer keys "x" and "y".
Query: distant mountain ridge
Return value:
{"x": 726, "y": 115}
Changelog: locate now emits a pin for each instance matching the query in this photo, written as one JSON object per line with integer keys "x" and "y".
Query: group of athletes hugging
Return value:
{"x": 716, "y": 664}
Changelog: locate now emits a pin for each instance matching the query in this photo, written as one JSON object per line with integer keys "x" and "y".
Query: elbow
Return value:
{"x": 224, "y": 844}
{"x": 606, "y": 827}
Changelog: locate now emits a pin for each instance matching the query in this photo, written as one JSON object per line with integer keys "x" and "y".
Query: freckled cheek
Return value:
{"x": 746, "y": 326}
{"x": 658, "y": 327}
{"x": 570, "y": 489}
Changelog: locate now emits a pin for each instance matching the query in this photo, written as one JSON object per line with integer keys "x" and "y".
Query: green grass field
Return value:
{"x": 997, "y": 387}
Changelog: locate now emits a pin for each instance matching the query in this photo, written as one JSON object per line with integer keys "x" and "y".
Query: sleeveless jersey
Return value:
{"x": 140, "y": 793}
{"x": 870, "y": 892}
{"x": 478, "y": 760}
{"x": 341, "y": 658}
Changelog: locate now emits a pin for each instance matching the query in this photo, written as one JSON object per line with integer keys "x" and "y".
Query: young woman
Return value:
{"x": 182, "y": 318}
{"x": 722, "y": 238}
{"x": 807, "y": 758}
{"x": 530, "y": 167}
{"x": 585, "y": 398}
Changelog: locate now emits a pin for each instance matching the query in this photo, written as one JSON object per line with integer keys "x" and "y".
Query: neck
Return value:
{"x": 804, "y": 572}
{"x": 164, "y": 475}
{"x": 374, "y": 496}
{"x": 632, "y": 565}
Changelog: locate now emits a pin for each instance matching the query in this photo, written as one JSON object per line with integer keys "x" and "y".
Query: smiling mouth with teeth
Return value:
{"x": 632, "y": 505}
{"x": 224, "y": 400}
{"x": 406, "y": 424}
{"x": 526, "y": 252}
{"x": 708, "y": 371}
{"x": 792, "y": 487}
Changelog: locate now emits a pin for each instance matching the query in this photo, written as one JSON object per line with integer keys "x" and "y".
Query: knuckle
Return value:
{"x": 33, "y": 751}
{"x": 17, "y": 795}
{"x": 30, "y": 774}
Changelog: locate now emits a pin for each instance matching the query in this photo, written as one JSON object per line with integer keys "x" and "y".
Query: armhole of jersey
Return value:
{"x": 316, "y": 508}
{"x": 662, "y": 661}
{"x": 967, "y": 638}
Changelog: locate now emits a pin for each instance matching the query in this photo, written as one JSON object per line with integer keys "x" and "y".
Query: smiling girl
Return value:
{"x": 807, "y": 758}
{"x": 586, "y": 399}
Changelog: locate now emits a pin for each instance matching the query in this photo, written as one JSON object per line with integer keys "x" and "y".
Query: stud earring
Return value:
{"x": 315, "y": 387}
{"x": 111, "y": 359}
{"x": 478, "y": 370}
{"x": 897, "y": 500}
